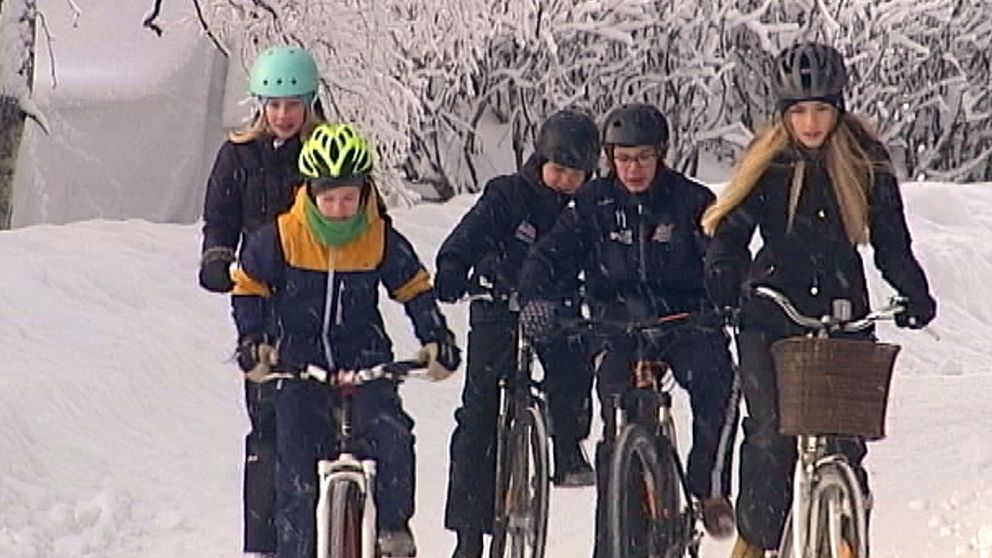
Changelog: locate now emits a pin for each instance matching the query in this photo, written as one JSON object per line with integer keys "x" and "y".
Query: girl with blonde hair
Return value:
{"x": 818, "y": 184}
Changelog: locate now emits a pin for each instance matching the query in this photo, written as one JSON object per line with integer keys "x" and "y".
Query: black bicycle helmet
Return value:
{"x": 807, "y": 72}
{"x": 636, "y": 124}
{"x": 569, "y": 138}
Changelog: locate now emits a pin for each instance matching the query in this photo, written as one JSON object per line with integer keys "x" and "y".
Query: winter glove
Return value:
{"x": 451, "y": 281}
{"x": 537, "y": 318}
{"x": 919, "y": 311}
{"x": 442, "y": 357}
{"x": 256, "y": 355}
{"x": 215, "y": 274}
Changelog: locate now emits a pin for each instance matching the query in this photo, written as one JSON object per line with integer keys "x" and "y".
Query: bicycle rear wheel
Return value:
{"x": 345, "y": 529}
{"x": 521, "y": 523}
{"x": 644, "y": 511}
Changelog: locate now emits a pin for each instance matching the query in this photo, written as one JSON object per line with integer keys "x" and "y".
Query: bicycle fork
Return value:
{"x": 346, "y": 468}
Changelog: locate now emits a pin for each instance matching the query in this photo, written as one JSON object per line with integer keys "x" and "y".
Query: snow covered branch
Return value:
{"x": 420, "y": 76}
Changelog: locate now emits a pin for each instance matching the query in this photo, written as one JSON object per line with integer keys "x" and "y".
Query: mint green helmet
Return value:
{"x": 283, "y": 71}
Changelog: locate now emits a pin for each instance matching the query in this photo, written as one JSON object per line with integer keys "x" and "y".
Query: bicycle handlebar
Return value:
{"x": 393, "y": 371}
{"x": 657, "y": 327}
{"x": 829, "y": 323}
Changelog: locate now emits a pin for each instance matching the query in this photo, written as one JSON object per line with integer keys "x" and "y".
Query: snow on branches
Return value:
{"x": 420, "y": 75}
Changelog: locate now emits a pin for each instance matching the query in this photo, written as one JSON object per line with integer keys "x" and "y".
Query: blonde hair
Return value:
{"x": 259, "y": 126}
{"x": 850, "y": 168}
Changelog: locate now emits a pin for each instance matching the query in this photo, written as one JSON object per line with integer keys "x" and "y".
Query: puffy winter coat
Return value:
{"x": 326, "y": 298}
{"x": 643, "y": 252}
{"x": 249, "y": 185}
{"x": 814, "y": 262}
{"x": 493, "y": 238}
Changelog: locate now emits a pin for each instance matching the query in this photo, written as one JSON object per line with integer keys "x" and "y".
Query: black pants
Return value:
{"x": 702, "y": 365}
{"x": 260, "y": 467}
{"x": 492, "y": 346}
{"x": 767, "y": 457}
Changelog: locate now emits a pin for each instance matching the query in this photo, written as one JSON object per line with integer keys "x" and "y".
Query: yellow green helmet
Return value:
{"x": 336, "y": 153}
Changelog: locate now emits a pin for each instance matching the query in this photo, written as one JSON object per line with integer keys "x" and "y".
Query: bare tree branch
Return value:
{"x": 206, "y": 29}
{"x": 48, "y": 45}
{"x": 76, "y": 12}
{"x": 150, "y": 18}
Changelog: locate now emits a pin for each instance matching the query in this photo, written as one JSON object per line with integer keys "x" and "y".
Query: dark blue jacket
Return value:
{"x": 326, "y": 299}
{"x": 641, "y": 252}
{"x": 493, "y": 238}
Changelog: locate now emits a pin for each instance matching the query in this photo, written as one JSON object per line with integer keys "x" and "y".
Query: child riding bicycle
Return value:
{"x": 635, "y": 234}
{"x": 320, "y": 264}
{"x": 818, "y": 183}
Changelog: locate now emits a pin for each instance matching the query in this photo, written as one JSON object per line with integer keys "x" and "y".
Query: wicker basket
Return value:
{"x": 833, "y": 386}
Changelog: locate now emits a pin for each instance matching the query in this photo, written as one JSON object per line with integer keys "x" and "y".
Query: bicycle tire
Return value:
{"x": 834, "y": 518}
{"x": 644, "y": 514}
{"x": 345, "y": 529}
{"x": 521, "y": 526}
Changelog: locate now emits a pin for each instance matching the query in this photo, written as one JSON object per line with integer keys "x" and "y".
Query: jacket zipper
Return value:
{"x": 328, "y": 306}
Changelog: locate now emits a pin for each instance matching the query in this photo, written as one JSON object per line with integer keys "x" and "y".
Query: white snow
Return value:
{"x": 122, "y": 415}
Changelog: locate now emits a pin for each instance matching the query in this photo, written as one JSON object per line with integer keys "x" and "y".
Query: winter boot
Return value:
{"x": 718, "y": 517}
{"x": 572, "y": 468}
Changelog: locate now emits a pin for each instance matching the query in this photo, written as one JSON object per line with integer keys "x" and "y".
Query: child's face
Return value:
{"x": 636, "y": 166}
{"x": 811, "y": 122}
{"x": 339, "y": 203}
{"x": 562, "y": 179}
{"x": 285, "y": 116}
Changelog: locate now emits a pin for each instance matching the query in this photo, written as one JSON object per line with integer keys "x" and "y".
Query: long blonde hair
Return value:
{"x": 259, "y": 126}
{"x": 849, "y": 166}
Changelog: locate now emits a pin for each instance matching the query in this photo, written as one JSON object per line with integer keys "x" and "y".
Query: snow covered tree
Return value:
{"x": 420, "y": 74}
{"x": 17, "y": 33}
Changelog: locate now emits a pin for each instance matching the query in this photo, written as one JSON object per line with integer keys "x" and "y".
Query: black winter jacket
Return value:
{"x": 640, "y": 252}
{"x": 250, "y": 184}
{"x": 493, "y": 238}
{"x": 814, "y": 262}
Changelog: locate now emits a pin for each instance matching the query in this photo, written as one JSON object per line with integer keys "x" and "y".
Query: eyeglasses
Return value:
{"x": 640, "y": 160}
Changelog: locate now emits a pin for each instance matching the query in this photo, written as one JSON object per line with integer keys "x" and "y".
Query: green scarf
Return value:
{"x": 335, "y": 232}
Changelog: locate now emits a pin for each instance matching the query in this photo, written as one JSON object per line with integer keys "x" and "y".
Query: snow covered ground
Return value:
{"x": 121, "y": 414}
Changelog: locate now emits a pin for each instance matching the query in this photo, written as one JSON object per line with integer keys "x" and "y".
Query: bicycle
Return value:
{"x": 830, "y": 388}
{"x": 520, "y": 518}
{"x": 650, "y": 512}
{"x": 346, "y": 504}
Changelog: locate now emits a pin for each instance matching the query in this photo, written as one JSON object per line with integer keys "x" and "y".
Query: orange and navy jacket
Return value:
{"x": 326, "y": 299}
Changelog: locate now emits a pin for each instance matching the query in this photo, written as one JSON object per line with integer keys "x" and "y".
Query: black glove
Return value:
{"x": 723, "y": 288}
{"x": 443, "y": 356}
{"x": 537, "y": 318}
{"x": 215, "y": 274}
{"x": 255, "y": 354}
{"x": 919, "y": 311}
{"x": 451, "y": 281}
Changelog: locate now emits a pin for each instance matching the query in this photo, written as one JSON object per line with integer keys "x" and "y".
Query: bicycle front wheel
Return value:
{"x": 345, "y": 529}
{"x": 836, "y": 523}
{"x": 643, "y": 512}
{"x": 521, "y": 523}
